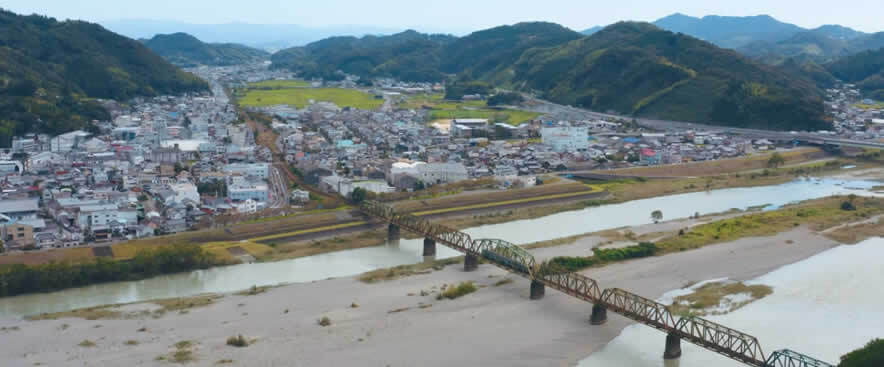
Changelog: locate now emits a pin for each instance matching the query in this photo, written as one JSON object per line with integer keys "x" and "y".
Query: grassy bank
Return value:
{"x": 818, "y": 215}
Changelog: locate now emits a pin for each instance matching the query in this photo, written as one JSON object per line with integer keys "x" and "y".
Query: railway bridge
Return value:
{"x": 707, "y": 334}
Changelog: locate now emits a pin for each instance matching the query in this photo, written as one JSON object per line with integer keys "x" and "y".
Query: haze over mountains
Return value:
{"x": 772, "y": 41}
{"x": 264, "y": 36}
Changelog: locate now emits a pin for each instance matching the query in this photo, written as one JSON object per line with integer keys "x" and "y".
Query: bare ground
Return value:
{"x": 394, "y": 325}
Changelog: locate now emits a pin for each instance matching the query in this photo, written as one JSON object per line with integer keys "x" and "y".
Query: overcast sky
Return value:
{"x": 452, "y": 15}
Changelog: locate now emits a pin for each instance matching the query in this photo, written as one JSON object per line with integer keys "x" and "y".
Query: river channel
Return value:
{"x": 352, "y": 262}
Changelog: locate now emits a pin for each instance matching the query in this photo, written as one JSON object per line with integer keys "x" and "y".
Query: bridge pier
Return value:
{"x": 470, "y": 262}
{"x": 673, "y": 347}
{"x": 429, "y": 247}
{"x": 599, "y": 315}
{"x": 393, "y": 232}
{"x": 538, "y": 290}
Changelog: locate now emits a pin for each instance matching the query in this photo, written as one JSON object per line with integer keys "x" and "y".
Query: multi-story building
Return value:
{"x": 565, "y": 138}
{"x": 244, "y": 190}
{"x": 261, "y": 170}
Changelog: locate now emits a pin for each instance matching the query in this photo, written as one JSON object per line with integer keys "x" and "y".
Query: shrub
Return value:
{"x": 848, "y": 206}
{"x": 872, "y": 355}
{"x": 237, "y": 341}
{"x": 566, "y": 263}
{"x": 87, "y": 343}
{"x": 458, "y": 291}
{"x": 324, "y": 321}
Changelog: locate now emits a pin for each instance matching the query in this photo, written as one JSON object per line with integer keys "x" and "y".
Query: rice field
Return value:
{"x": 302, "y": 97}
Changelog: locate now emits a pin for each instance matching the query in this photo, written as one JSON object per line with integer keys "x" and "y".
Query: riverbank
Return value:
{"x": 397, "y": 322}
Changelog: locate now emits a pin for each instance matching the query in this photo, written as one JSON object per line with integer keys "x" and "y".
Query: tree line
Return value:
{"x": 22, "y": 279}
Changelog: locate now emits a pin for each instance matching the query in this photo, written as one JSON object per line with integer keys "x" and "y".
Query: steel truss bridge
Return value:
{"x": 513, "y": 258}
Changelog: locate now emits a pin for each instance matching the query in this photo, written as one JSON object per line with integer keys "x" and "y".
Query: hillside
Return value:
{"x": 821, "y": 45}
{"x": 865, "y": 69}
{"x": 408, "y": 55}
{"x": 414, "y": 56}
{"x": 185, "y": 50}
{"x": 51, "y": 72}
{"x": 730, "y": 32}
{"x": 489, "y": 54}
{"x": 637, "y": 68}
{"x": 628, "y": 68}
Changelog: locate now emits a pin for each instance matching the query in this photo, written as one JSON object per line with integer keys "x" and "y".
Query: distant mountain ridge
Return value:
{"x": 629, "y": 68}
{"x": 764, "y": 38}
{"x": 729, "y": 32}
{"x": 51, "y": 72}
{"x": 185, "y": 50}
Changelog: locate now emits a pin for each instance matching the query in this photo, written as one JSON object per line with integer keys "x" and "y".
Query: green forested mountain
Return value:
{"x": 51, "y": 72}
{"x": 408, "y": 55}
{"x": 414, "y": 56}
{"x": 185, "y": 50}
{"x": 628, "y": 68}
{"x": 489, "y": 54}
{"x": 865, "y": 69}
{"x": 639, "y": 69}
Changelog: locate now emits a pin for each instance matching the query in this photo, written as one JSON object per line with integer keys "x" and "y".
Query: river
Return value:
{"x": 825, "y": 306}
{"x": 352, "y": 262}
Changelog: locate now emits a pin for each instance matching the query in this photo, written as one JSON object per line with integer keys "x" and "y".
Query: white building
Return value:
{"x": 99, "y": 215}
{"x": 565, "y": 138}
{"x": 244, "y": 190}
{"x": 261, "y": 170}
{"x": 430, "y": 173}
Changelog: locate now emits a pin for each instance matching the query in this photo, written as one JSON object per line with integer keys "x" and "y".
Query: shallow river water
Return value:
{"x": 825, "y": 306}
{"x": 352, "y": 262}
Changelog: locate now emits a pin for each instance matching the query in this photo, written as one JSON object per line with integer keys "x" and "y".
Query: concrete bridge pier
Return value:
{"x": 429, "y": 247}
{"x": 538, "y": 290}
{"x": 393, "y": 232}
{"x": 470, "y": 262}
{"x": 673, "y": 347}
{"x": 599, "y": 315}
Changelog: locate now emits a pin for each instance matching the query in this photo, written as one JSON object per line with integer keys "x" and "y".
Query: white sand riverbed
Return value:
{"x": 496, "y": 326}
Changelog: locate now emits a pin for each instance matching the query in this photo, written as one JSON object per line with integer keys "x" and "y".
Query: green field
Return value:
{"x": 300, "y": 97}
{"x": 281, "y": 84}
{"x": 446, "y": 110}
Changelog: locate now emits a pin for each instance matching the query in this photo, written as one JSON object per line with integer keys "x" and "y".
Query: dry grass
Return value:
{"x": 722, "y": 166}
{"x": 86, "y": 343}
{"x": 324, "y": 321}
{"x": 853, "y": 234}
{"x": 112, "y": 312}
{"x": 238, "y": 341}
{"x": 504, "y": 281}
{"x": 131, "y": 342}
{"x": 458, "y": 291}
{"x": 467, "y": 200}
{"x": 253, "y": 291}
{"x": 294, "y": 250}
{"x": 707, "y": 299}
{"x": 818, "y": 214}
{"x": 383, "y": 275}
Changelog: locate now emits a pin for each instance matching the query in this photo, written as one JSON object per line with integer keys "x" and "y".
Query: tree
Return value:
{"x": 776, "y": 160}
{"x": 872, "y": 355}
{"x": 657, "y": 216}
{"x": 358, "y": 195}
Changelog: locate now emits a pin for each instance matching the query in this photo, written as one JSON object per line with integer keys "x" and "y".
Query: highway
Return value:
{"x": 574, "y": 113}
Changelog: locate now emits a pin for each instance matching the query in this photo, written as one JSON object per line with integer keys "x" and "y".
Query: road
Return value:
{"x": 573, "y": 113}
